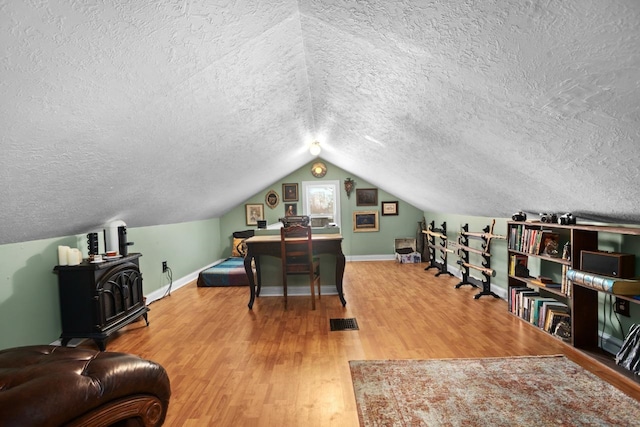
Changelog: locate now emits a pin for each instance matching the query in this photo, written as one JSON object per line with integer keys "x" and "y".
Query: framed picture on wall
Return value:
{"x": 389, "y": 208}
{"x": 272, "y": 199}
{"x": 290, "y": 209}
{"x": 290, "y": 192}
{"x": 254, "y": 212}
{"x": 364, "y": 221}
{"x": 366, "y": 197}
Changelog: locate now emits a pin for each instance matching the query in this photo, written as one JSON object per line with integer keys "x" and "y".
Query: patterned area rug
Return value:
{"x": 520, "y": 391}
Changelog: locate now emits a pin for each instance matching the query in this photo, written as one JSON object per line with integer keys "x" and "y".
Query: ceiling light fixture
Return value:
{"x": 315, "y": 148}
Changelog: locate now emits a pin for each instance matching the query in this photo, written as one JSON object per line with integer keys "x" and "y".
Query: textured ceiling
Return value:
{"x": 164, "y": 111}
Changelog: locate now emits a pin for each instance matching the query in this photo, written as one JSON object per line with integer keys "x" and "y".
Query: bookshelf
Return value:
{"x": 582, "y": 302}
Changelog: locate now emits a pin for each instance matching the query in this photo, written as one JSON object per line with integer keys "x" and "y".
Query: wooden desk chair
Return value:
{"x": 297, "y": 258}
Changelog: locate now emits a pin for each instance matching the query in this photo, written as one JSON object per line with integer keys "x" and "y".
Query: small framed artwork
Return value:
{"x": 367, "y": 197}
{"x": 290, "y": 209}
{"x": 272, "y": 199}
{"x": 389, "y": 208}
{"x": 364, "y": 221}
{"x": 254, "y": 212}
{"x": 290, "y": 192}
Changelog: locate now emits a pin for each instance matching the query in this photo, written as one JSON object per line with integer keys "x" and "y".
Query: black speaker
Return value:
{"x": 123, "y": 245}
{"x": 92, "y": 243}
{"x": 611, "y": 264}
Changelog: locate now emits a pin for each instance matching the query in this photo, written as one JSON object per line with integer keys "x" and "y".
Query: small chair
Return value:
{"x": 296, "y": 251}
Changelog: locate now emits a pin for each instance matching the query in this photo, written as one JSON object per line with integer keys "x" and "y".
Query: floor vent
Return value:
{"x": 343, "y": 324}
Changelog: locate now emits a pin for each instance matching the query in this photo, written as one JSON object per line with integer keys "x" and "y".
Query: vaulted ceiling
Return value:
{"x": 165, "y": 111}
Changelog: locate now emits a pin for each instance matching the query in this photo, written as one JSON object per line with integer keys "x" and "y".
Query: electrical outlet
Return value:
{"x": 621, "y": 306}
{"x": 164, "y": 266}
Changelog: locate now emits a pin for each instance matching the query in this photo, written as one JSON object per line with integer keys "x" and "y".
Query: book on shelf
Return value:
{"x": 553, "y": 285}
{"x": 565, "y": 288}
{"x": 536, "y": 306}
{"x": 554, "y": 317}
{"x": 604, "y": 283}
{"x": 558, "y": 306}
{"x": 524, "y": 303}
{"x": 544, "y": 282}
{"x": 533, "y": 236}
{"x": 513, "y": 233}
{"x": 550, "y": 285}
{"x": 529, "y": 236}
{"x": 539, "y": 238}
{"x": 517, "y": 235}
{"x": 515, "y": 301}
{"x": 530, "y": 240}
{"x": 533, "y": 242}
{"x": 515, "y": 298}
{"x": 522, "y": 237}
{"x": 518, "y": 265}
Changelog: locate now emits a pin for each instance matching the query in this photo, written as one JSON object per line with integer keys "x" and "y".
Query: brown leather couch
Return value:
{"x": 53, "y": 386}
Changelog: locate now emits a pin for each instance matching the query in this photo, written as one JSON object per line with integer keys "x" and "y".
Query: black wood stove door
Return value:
{"x": 118, "y": 291}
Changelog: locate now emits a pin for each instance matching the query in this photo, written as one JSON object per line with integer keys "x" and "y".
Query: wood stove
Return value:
{"x": 98, "y": 299}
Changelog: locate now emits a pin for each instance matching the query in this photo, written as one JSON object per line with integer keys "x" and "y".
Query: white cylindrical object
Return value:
{"x": 74, "y": 256}
{"x": 63, "y": 255}
{"x": 112, "y": 241}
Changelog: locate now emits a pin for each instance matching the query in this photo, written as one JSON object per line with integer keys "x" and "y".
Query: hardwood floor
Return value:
{"x": 230, "y": 366}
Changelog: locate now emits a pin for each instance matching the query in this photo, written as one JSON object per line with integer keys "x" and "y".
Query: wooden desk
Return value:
{"x": 270, "y": 245}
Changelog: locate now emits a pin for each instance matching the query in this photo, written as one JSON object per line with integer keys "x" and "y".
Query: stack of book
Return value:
{"x": 545, "y": 282}
{"x": 543, "y": 312}
{"x": 553, "y": 313}
{"x": 531, "y": 240}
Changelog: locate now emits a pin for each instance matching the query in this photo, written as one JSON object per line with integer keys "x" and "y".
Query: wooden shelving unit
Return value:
{"x": 583, "y": 301}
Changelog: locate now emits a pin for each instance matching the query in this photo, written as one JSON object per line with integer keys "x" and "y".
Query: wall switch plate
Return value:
{"x": 621, "y": 306}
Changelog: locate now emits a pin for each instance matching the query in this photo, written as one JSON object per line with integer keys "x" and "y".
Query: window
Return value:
{"x": 321, "y": 202}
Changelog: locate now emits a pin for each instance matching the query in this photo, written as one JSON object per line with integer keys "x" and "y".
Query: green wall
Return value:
{"x": 354, "y": 244}
{"x": 186, "y": 247}
{"x": 29, "y": 311}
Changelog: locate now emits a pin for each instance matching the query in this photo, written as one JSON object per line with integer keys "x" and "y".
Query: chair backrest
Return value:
{"x": 296, "y": 249}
